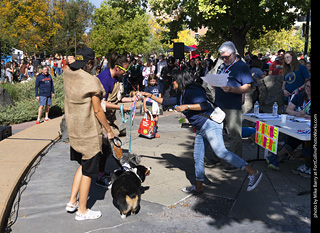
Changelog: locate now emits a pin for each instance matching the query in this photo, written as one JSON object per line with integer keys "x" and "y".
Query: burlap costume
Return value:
{"x": 85, "y": 131}
{"x": 114, "y": 97}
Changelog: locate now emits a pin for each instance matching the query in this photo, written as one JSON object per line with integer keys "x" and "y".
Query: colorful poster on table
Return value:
{"x": 267, "y": 136}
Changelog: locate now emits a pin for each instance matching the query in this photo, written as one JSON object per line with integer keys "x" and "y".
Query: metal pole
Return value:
{"x": 0, "y": 66}
{"x": 68, "y": 36}
{"x": 75, "y": 43}
{"x": 307, "y": 36}
{"x": 0, "y": 63}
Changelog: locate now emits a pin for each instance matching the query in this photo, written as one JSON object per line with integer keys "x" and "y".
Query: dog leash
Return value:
{"x": 117, "y": 142}
{"x": 131, "y": 113}
{"x": 133, "y": 109}
{"x": 124, "y": 120}
{"x": 134, "y": 106}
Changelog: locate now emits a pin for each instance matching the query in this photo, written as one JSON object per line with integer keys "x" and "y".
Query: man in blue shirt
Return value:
{"x": 229, "y": 98}
{"x": 44, "y": 92}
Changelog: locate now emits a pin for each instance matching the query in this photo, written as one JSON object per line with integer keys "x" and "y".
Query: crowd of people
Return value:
{"x": 162, "y": 67}
{"x": 28, "y": 68}
{"x": 136, "y": 79}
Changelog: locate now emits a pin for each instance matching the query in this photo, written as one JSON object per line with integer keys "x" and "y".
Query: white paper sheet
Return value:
{"x": 216, "y": 80}
{"x": 264, "y": 115}
{"x": 300, "y": 119}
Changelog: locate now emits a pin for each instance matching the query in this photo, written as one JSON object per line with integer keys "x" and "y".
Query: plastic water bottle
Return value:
{"x": 256, "y": 108}
{"x": 275, "y": 109}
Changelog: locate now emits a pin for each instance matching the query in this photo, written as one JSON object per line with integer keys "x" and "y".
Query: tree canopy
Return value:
{"x": 122, "y": 26}
{"x": 73, "y": 18}
{"x": 35, "y": 26}
{"x": 229, "y": 19}
{"x": 27, "y": 23}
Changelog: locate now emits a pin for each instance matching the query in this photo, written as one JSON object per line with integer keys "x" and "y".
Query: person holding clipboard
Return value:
{"x": 229, "y": 97}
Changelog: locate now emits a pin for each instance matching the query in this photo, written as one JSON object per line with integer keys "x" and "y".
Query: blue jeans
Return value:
{"x": 22, "y": 77}
{"x": 59, "y": 71}
{"x": 31, "y": 75}
{"x": 211, "y": 133}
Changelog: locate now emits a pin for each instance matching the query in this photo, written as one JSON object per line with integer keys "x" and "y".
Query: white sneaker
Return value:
{"x": 306, "y": 173}
{"x": 89, "y": 215}
{"x": 302, "y": 168}
{"x": 191, "y": 189}
{"x": 254, "y": 180}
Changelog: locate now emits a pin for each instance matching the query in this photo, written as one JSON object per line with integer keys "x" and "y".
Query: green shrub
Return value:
{"x": 26, "y": 105}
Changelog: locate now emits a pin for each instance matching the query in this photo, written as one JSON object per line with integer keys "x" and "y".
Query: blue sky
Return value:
{"x": 97, "y": 3}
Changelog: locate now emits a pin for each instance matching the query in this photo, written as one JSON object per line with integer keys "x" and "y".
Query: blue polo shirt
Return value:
{"x": 239, "y": 74}
{"x": 107, "y": 81}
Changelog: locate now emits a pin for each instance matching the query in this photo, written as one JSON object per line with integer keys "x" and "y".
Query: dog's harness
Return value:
{"x": 134, "y": 170}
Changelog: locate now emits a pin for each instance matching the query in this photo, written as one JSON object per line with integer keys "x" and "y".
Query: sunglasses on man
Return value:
{"x": 226, "y": 57}
{"x": 121, "y": 68}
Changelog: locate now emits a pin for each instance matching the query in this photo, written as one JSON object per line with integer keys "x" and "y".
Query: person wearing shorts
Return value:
{"x": 90, "y": 167}
{"x": 87, "y": 125}
{"x": 44, "y": 90}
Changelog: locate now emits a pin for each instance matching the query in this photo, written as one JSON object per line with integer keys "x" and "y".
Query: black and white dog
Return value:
{"x": 126, "y": 189}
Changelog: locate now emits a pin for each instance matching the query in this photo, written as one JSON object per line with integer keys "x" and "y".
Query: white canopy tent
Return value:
{"x": 18, "y": 54}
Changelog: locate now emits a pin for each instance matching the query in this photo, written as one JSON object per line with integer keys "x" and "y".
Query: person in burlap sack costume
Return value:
{"x": 86, "y": 123}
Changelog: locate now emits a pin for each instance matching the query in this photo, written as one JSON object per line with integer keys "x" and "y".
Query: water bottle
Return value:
{"x": 275, "y": 109}
{"x": 256, "y": 108}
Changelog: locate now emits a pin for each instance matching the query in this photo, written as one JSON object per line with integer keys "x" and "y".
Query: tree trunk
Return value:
{"x": 239, "y": 38}
{"x": 239, "y": 42}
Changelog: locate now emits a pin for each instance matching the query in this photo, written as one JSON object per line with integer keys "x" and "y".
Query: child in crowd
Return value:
{"x": 147, "y": 70}
{"x": 148, "y": 104}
